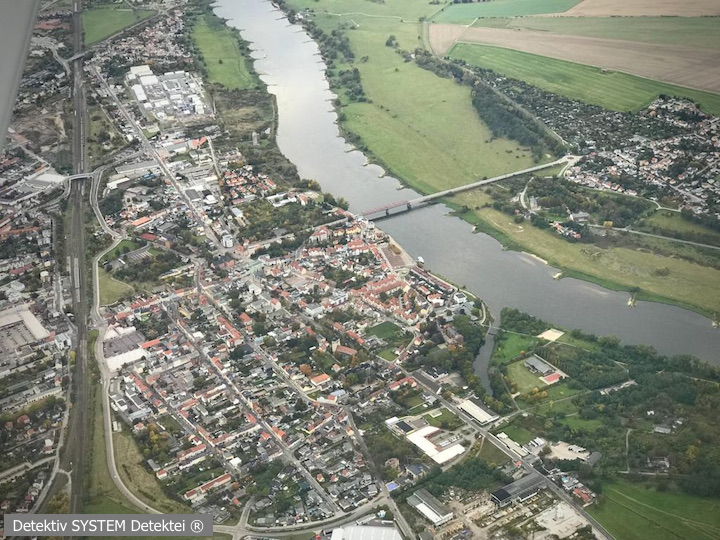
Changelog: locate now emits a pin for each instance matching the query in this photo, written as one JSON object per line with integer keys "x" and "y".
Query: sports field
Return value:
{"x": 99, "y": 23}
{"x": 612, "y": 90}
{"x": 632, "y": 512}
{"x": 699, "y": 32}
{"x": 413, "y": 124}
{"x": 225, "y": 63}
{"x": 467, "y": 13}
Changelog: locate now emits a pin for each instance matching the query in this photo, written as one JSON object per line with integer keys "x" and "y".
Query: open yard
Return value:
{"x": 673, "y": 64}
{"x": 123, "y": 247}
{"x": 518, "y": 434}
{"x": 385, "y": 330}
{"x": 467, "y": 13}
{"x": 413, "y": 123}
{"x": 111, "y": 290}
{"x": 687, "y": 284}
{"x": 225, "y": 63}
{"x": 523, "y": 378}
{"x": 633, "y": 512}
{"x": 101, "y": 22}
{"x": 612, "y": 90}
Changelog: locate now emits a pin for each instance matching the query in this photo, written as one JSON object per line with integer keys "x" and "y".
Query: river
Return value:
{"x": 289, "y": 63}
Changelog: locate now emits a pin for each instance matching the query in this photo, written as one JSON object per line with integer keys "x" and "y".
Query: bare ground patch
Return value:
{"x": 684, "y": 66}
{"x": 644, "y": 8}
{"x": 443, "y": 36}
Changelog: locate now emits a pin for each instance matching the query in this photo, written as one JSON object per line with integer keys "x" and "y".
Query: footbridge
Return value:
{"x": 406, "y": 205}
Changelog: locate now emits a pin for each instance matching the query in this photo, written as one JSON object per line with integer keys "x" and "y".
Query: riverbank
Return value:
{"x": 686, "y": 285}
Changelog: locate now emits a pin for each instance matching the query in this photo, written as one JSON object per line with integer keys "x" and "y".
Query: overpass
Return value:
{"x": 407, "y": 205}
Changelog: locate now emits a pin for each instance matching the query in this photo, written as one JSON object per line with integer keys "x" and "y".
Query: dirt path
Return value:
{"x": 685, "y": 66}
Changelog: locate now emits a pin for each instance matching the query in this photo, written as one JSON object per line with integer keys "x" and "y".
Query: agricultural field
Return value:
{"x": 634, "y": 512}
{"x": 686, "y": 284}
{"x": 697, "y": 32}
{"x": 221, "y": 55}
{"x": 101, "y": 22}
{"x": 683, "y": 66}
{"x": 665, "y": 8}
{"x": 412, "y": 123}
{"x": 467, "y": 13}
{"x": 612, "y": 90}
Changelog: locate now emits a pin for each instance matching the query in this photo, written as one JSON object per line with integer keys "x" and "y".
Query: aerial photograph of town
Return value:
{"x": 360, "y": 269}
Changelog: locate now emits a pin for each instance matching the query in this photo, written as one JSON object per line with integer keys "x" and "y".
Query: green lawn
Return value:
{"x": 222, "y": 57}
{"x": 413, "y": 123}
{"x": 492, "y": 454}
{"x": 511, "y": 346}
{"x": 111, "y": 290}
{"x": 387, "y": 354}
{"x": 610, "y": 89}
{"x": 700, "y": 32}
{"x": 520, "y": 375}
{"x": 467, "y": 13}
{"x": 99, "y": 23}
{"x": 384, "y": 330}
{"x": 632, "y": 512}
{"x": 450, "y": 419}
{"x": 687, "y": 284}
{"x": 518, "y": 434}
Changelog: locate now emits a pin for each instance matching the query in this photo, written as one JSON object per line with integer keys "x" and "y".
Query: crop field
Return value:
{"x": 633, "y": 512}
{"x": 665, "y": 8}
{"x": 697, "y": 32}
{"x": 413, "y": 124}
{"x": 467, "y": 13}
{"x": 225, "y": 63}
{"x": 612, "y": 90}
{"x": 99, "y": 23}
{"x": 684, "y": 66}
{"x": 686, "y": 284}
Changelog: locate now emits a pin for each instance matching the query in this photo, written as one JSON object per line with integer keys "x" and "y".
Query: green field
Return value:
{"x": 523, "y": 378}
{"x": 111, "y": 290}
{"x": 492, "y": 454}
{"x": 384, "y": 330}
{"x": 611, "y": 89}
{"x": 632, "y": 512}
{"x": 225, "y": 63}
{"x": 412, "y": 124}
{"x": 139, "y": 480}
{"x": 687, "y": 284}
{"x": 665, "y": 221}
{"x": 700, "y": 32}
{"x": 467, "y": 13}
{"x": 518, "y": 434}
{"x": 449, "y": 418}
{"x": 512, "y": 346}
{"x": 99, "y": 23}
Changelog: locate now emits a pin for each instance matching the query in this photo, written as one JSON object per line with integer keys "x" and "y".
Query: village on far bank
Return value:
{"x": 271, "y": 358}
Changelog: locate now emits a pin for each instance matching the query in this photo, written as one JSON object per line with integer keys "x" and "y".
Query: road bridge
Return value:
{"x": 407, "y": 205}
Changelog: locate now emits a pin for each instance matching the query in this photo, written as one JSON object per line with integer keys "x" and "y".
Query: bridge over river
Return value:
{"x": 407, "y": 205}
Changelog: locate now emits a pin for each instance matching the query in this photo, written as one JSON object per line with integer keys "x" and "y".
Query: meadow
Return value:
{"x": 101, "y": 22}
{"x": 686, "y": 284}
{"x": 111, "y": 290}
{"x": 523, "y": 378}
{"x": 413, "y": 122}
{"x": 610, "y": 89}
{"x": 221, "y": 55}
{"x": 635, "y": 512}
{"x": 467, "y": 13}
